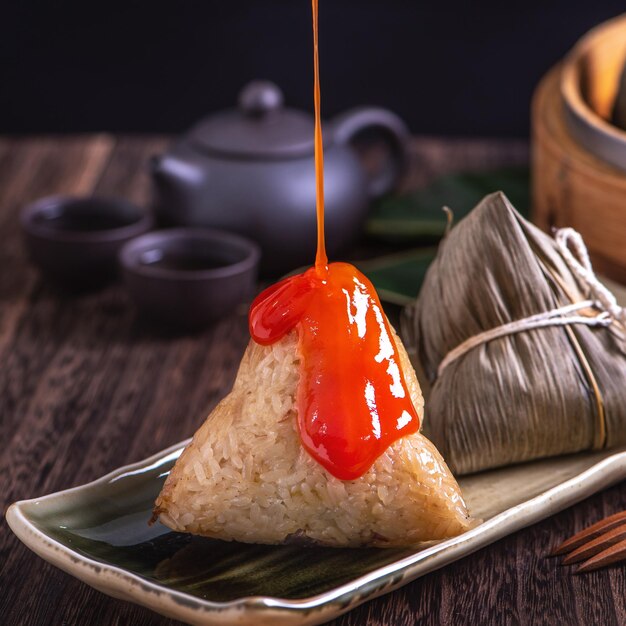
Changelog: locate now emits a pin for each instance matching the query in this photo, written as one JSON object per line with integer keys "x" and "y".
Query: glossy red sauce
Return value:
{"x": 352, "y": 399}
{"x": 353, "y": 402}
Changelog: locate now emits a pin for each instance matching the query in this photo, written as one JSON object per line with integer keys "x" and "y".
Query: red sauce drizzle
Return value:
{"x": 353, "y": 402}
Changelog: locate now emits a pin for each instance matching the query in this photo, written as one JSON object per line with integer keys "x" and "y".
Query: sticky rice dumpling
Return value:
{"x": 246, "y": 476}
{"x": 319, "y": 439}
{"x": 528, "y": 394}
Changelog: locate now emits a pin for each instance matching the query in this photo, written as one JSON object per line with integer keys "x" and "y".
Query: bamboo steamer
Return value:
{"x": 573, "y": 145}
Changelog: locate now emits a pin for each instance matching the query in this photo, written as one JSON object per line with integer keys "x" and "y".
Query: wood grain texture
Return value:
{"x": 85, "y": 387}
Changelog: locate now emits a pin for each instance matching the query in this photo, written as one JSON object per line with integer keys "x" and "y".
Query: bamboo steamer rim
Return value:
{"x": 551, "y": 131}
{"x": 573, "y": 187}
{"x": 586, "y": 122}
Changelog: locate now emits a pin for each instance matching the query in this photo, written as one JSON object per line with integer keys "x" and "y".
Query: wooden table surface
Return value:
{"x": 84, "y": 388}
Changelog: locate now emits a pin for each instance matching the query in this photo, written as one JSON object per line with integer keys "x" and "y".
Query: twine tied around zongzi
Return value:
{"x": 581, "y": 268}
{"x": 598, "y": 296}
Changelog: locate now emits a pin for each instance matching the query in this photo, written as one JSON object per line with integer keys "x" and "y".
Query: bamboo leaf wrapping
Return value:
{"x": 523, "y": 396}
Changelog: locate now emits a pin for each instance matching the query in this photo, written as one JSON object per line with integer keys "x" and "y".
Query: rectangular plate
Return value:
{"x": 99, "y": 533}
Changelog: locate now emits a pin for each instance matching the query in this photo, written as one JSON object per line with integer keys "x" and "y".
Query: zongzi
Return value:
{"x": 524, "y": 358}
{"x": 246, "y": 475}
{"x": 319, "y": 439}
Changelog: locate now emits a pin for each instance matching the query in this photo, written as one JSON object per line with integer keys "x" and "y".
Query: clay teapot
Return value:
{"x": 251, "y": 171}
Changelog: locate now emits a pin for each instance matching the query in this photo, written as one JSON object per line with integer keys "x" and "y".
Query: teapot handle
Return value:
{"x": 348, "y": 126}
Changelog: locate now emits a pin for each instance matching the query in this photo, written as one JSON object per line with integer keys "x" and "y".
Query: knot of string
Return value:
{"x": 568, "y": 240}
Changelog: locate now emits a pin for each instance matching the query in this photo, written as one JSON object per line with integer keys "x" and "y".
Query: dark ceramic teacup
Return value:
{"x": 187, "y": 277}
{"x": 75, "y": 241}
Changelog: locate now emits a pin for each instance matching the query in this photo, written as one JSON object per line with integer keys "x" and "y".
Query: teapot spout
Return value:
{"x": 177, "y": 183}
{"x": 167, "y": 167}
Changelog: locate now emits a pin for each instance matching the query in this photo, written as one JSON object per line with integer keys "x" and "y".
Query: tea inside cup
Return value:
{"x": 188, "y": 278}
{"x": 75, "y": 241}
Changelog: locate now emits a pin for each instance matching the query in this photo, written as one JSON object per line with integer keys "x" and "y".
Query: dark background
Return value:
{"x": 448, "y": 67}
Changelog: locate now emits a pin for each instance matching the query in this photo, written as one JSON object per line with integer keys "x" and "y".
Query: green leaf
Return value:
{"x": 417, "y": 216}
{"x": 398, "y": 277}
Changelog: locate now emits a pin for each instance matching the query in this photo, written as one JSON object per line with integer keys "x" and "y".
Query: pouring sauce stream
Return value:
{"x": 352, "y": 400}
{"x": 321, "y": 260}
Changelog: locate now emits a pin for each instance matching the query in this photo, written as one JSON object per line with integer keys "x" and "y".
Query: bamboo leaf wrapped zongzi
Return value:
{"x": 552, "y": 383}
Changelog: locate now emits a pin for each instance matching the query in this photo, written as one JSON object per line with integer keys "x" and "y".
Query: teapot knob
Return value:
{"x": 260, "y": 97}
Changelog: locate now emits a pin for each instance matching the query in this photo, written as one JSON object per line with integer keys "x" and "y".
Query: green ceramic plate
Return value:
{"x": 99, "y": 533}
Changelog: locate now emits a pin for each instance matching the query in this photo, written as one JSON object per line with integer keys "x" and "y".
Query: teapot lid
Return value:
{"x": 259, "y": 127}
